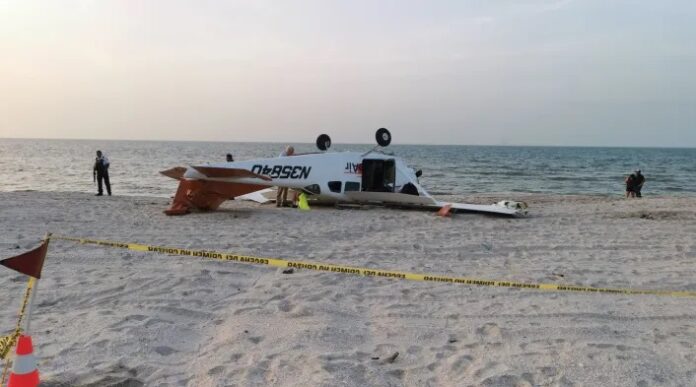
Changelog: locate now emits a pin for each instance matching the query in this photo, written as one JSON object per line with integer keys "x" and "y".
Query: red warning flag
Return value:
{"x": 29, "y": 263}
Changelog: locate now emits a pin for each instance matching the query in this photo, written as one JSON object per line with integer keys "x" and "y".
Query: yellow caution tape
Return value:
{"x": 7, "y": 342}
{"x": 277, "y": 262}
{"x": 25, "y": 302}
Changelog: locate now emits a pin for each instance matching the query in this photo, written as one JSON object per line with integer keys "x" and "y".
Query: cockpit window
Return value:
{"x": 335, "y": 186}
{"x": 352, "y": 186}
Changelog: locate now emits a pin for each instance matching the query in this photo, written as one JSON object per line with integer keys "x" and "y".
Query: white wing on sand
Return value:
{"x": 258, "y": 196}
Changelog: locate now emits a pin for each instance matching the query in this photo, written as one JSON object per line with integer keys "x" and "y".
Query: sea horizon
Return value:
{"x": 65, "y": 165}
{"x": 355, "y": 143}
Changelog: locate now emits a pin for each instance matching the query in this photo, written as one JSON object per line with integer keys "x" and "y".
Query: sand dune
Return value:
{"x": 115, "y": 317}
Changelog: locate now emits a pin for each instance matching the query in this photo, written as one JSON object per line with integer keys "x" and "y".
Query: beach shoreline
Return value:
{"x": 172, "y": 320}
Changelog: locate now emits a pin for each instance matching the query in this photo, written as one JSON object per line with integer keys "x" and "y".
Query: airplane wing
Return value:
{"x": 392, "y": 198}
{"x": 216, "y": 172}
{"x": 509, "y": 208}
{"x": 260, "y": 197}
{"x": 505, "y": 207}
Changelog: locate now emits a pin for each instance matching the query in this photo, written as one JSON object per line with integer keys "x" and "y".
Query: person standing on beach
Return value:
{"x": 101, "y": 173}
{"x": 638, "y": 184}
{"x": 282, "y": 195}
{"x": 631, "y": 184}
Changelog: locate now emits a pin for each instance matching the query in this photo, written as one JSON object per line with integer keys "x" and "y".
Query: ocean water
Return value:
{"x": 66, "y": 165}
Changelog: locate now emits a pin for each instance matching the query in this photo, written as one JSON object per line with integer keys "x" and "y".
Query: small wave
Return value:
{"x": 573, "y": 178}
{"x": 675, "y": 189}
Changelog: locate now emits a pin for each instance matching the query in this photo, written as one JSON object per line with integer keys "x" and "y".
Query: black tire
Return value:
{"x": 323, "y": 142}
{"x": 383, "y": 137}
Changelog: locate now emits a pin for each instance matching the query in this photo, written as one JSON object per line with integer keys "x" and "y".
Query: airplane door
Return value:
{"x": 378, "y": 175}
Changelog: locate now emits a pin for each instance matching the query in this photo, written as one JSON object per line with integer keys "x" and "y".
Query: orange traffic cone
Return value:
{"x": 24, "y": 372}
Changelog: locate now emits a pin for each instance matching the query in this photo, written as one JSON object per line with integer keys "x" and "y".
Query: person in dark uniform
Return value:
{"x": 638, "y": 184}
{"x": 101, "y": 172}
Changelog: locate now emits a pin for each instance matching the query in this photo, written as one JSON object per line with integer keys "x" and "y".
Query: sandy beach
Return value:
{"x": 110, "y": 317}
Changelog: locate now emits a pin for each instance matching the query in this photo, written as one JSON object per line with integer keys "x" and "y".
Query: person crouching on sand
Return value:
{"x": 101, "y": 173}
{"x": 282, "y": 195}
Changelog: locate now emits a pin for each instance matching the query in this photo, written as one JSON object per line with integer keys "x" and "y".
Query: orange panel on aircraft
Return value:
{"x": 206, "y": 195}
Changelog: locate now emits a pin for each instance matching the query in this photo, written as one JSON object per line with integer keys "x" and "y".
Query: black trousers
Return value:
{"x": 103, "y": 176}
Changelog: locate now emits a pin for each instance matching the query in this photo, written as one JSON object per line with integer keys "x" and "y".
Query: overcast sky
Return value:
{"x": 529, "y": 72}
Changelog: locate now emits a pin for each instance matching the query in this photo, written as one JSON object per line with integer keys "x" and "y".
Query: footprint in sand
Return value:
{"x": 156, "y": 321}
{"x": 256, "y": 339}
{"x": 165, "y": 350}
{"x": 506, "y": 380}
{"x": 256, "y": 375}
{"x": 136, "y": 317}
{"x": 216, "y": 370}
{"x": 301, "y": 312}
{"x": 548, "y": 372}
{"x": 399, "y": 374}
{"x": 285, "y": 306}
{"x": 489, "y": 330}
{"x": 127, "y": 322}
{"x": 460, "y": 364}
{"x": 489, "y": 371}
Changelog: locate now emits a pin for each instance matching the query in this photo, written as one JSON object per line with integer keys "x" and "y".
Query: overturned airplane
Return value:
{"x": 373, "y": 177}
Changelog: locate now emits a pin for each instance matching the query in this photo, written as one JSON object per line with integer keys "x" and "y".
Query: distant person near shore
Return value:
{"x": 630, "y": 186}
{"x": 282, "y": 195}
{"x": 634, "y": 184}
{"x": 230, "y": 158}
{"x": 638, "y": 184}
{"x": 101, "y": 173}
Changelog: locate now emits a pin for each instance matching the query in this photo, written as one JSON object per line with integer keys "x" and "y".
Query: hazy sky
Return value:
{"x": 584, "y": 72}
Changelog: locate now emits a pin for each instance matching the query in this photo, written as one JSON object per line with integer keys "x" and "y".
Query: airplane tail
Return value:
{"x": 175, "y": 173}
{"x": 206, "y": 195}
{"x": 203, "y": 195}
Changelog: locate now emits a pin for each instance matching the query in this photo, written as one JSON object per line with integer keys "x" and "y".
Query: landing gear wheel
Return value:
{"x": 323, "y": 142}
{"x": 383, "y": 137}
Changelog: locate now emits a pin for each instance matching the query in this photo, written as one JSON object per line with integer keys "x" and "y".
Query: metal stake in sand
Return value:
{"x": 46, "y": 239}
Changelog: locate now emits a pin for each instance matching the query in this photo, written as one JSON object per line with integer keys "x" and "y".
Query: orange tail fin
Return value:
{"x": 206, "y": 195}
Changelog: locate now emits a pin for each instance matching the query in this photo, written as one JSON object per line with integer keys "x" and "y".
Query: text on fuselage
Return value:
{"x": 353, "y": 168}
{"x": 282, "y": 171}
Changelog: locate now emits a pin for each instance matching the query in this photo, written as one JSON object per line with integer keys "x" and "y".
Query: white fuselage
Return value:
{"x": 341, "y": 176}
{"x": 349, "y": 177}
